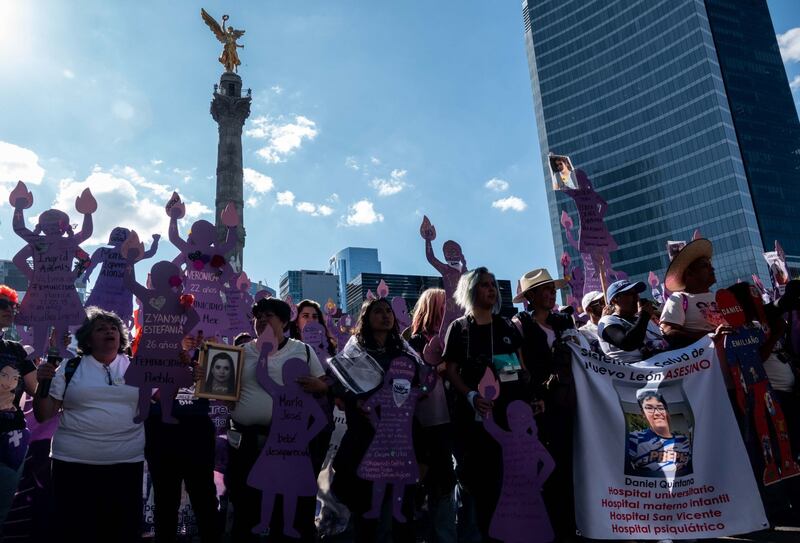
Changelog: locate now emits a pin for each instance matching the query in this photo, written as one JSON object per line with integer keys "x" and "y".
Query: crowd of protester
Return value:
{"x": 101, "y": 441}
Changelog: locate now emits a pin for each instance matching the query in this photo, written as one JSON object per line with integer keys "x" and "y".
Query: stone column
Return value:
{"x": 230, "y": 109}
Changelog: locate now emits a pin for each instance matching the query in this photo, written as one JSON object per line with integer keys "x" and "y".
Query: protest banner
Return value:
{"x": 658, "y": 453}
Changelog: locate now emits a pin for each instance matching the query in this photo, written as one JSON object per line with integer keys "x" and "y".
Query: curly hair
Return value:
{"x": 94, "y": 314}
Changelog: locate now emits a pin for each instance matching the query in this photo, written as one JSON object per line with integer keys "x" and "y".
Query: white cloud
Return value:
{"x": 257, "y": 181}
{"x": 252, "y": 201}
{"x": 387, "y": 187}
{"x": 277, "y": 89}
{"x": 795, "y": 83}
{"x": 789, "y": 43}
{"x": 497, "y": 185}
{"x": 285, "y": 198}
{"x": 69, "y": 74}
{"x": 306, "y": 207}
{"x": 282, "y": 138}
{"x": 162, "y": 191}
{"x": 19, "y": 164}
{"x": 512, "y": 203}
{"x": 362, "y": 213}
{"x": 156, "y": 162}
{"x": 314, "y": 209}
{"x": 351, "y": 163}
{"x": 185, "y": 174}
{"x": 375, "y": 160}
{"x": 333, "y": 198}
{"x": 123, "y": 200}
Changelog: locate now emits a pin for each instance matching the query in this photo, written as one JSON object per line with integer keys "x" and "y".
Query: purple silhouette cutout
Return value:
{"x": 51, "y": 298}
{"x": 452, "y": 269}
{"x": 341, "y": 330}
{"x": 520, "y": 515}
{"x": 165, "y": 321}
{"x": 314, "y": 336}
{"x": 390, "y": 459}
{"x": 284, "y": 465}
{"x": 109, "y": 292}
{"x": 238, "y": 302}
{"x": 206, "y": 266}
{"x": 400, "y": 309}
{"x": 575, "y": 279}
{"x": 595, "y": 242}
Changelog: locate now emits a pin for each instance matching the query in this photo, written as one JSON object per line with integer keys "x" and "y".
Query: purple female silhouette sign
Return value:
{"x": 165, "y": 321}
{"x": 238, "y": 302}
{"x": 109, "y": 292}
{"x": 452, "y": 269}
{"x": 390, "y": 459}
{"x": 520, "y": 515}
{"x": 206, "y": 266}
{"x": 51, "y": 298}
{"x": 284, "y": 465}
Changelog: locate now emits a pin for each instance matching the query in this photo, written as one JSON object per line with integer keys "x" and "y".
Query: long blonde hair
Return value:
{"x": 428, "y": 312}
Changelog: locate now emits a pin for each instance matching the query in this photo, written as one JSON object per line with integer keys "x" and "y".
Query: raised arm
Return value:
{"x": 18, "y": 223}
{"x": 491, "y": 427}
{"x": 98, "y": 257}
{"x": 86, "y": 229}
{"x": 440, "y": 266}
{"x": 231, "y": 238}
{"x": 175, "y": 237}
{"x": 151, "y": 252}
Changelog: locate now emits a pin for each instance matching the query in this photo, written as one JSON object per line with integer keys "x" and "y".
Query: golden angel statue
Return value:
{"x": 226, "y": 36}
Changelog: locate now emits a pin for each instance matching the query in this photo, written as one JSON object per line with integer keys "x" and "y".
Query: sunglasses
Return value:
{"x": 8, "y": 304}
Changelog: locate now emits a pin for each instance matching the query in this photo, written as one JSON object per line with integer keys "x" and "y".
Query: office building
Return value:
{"x": 351, "y": 261}
{"x": 408, "y": 287}
{"x": 309, "y": 284}
{"x": 652, "y": 99}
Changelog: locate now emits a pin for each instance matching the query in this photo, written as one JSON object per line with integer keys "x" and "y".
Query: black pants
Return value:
{"x": 98, "y": 504}
{"x": 182, "y": 453}
{"x": 246, "y": 500}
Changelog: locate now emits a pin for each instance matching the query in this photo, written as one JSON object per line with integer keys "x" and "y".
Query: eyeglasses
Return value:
{"x": 8, "y": 304}
{"x": 655, "y": 409}
{"x": 108, "y": 375}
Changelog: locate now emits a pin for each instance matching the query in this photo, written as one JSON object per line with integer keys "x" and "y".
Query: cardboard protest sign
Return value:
{"x": 314, "y": 336}
{"x": 342, "y": 330}
{"x": 655, "y": 471}
{"x": 109, "y": 292}
{"x": 778, "y": 270}
{"x": 206, "y": 268}
{"x": 520, "y": 515}
{"x": 166, "y": 319}
{"x": 51, "y": 298}
{"x": 754, "y": 393}
{"x": 284, "y": 465}
{"x": 238, "y": 302}
{"x": 390, "y": 458}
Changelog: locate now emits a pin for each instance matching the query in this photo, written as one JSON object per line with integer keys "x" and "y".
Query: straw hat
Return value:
{"x": 699, "y": 248}
{"x": 533, "y": 279}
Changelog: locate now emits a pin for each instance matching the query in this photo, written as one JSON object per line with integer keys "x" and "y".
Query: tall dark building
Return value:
{"x": 645, "y": 96}
{"x": 764, "y": 116}
{"x": 408, "y": 287}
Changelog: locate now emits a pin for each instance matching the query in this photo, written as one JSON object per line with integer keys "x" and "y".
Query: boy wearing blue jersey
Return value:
{"x": 657, "y": 450}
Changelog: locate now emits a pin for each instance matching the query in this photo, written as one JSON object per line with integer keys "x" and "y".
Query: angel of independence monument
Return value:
{"x": 229, "y": 109}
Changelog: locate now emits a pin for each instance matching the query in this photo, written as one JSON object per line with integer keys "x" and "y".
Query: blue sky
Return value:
{"x": 365, "y": 116}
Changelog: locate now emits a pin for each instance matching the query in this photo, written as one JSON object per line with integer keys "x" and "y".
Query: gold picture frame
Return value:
{"x": 220, "y": 385}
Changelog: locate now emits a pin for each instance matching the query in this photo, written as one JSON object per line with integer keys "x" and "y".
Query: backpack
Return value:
{"x": 69, "y": 372}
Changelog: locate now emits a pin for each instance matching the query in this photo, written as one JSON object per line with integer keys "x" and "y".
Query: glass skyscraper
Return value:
{"x": 633, "y": 92}
{"x": 348, "y": 263}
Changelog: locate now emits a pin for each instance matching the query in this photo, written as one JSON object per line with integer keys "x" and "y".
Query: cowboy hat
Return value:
{"x": 533, "y": 279}
{"x": 699, "y": 248}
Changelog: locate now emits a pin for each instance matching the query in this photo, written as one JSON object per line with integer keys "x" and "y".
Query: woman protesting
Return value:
{"x": 97, "y": 449}
{"x": 360, "y": 370}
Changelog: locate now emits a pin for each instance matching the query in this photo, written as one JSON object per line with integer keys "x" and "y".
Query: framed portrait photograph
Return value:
{"x": 562, "y": 172}
{"x": 222, "y": 372}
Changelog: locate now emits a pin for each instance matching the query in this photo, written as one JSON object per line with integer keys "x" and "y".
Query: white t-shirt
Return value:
{"x": 255, "y": 405}
{"x": 589, "y": 330}
{"x": 96, "y": 425}
{"x": 780, "y": 374}
{"x": 692, "y": 311}
{"x": 652, "y": 339}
